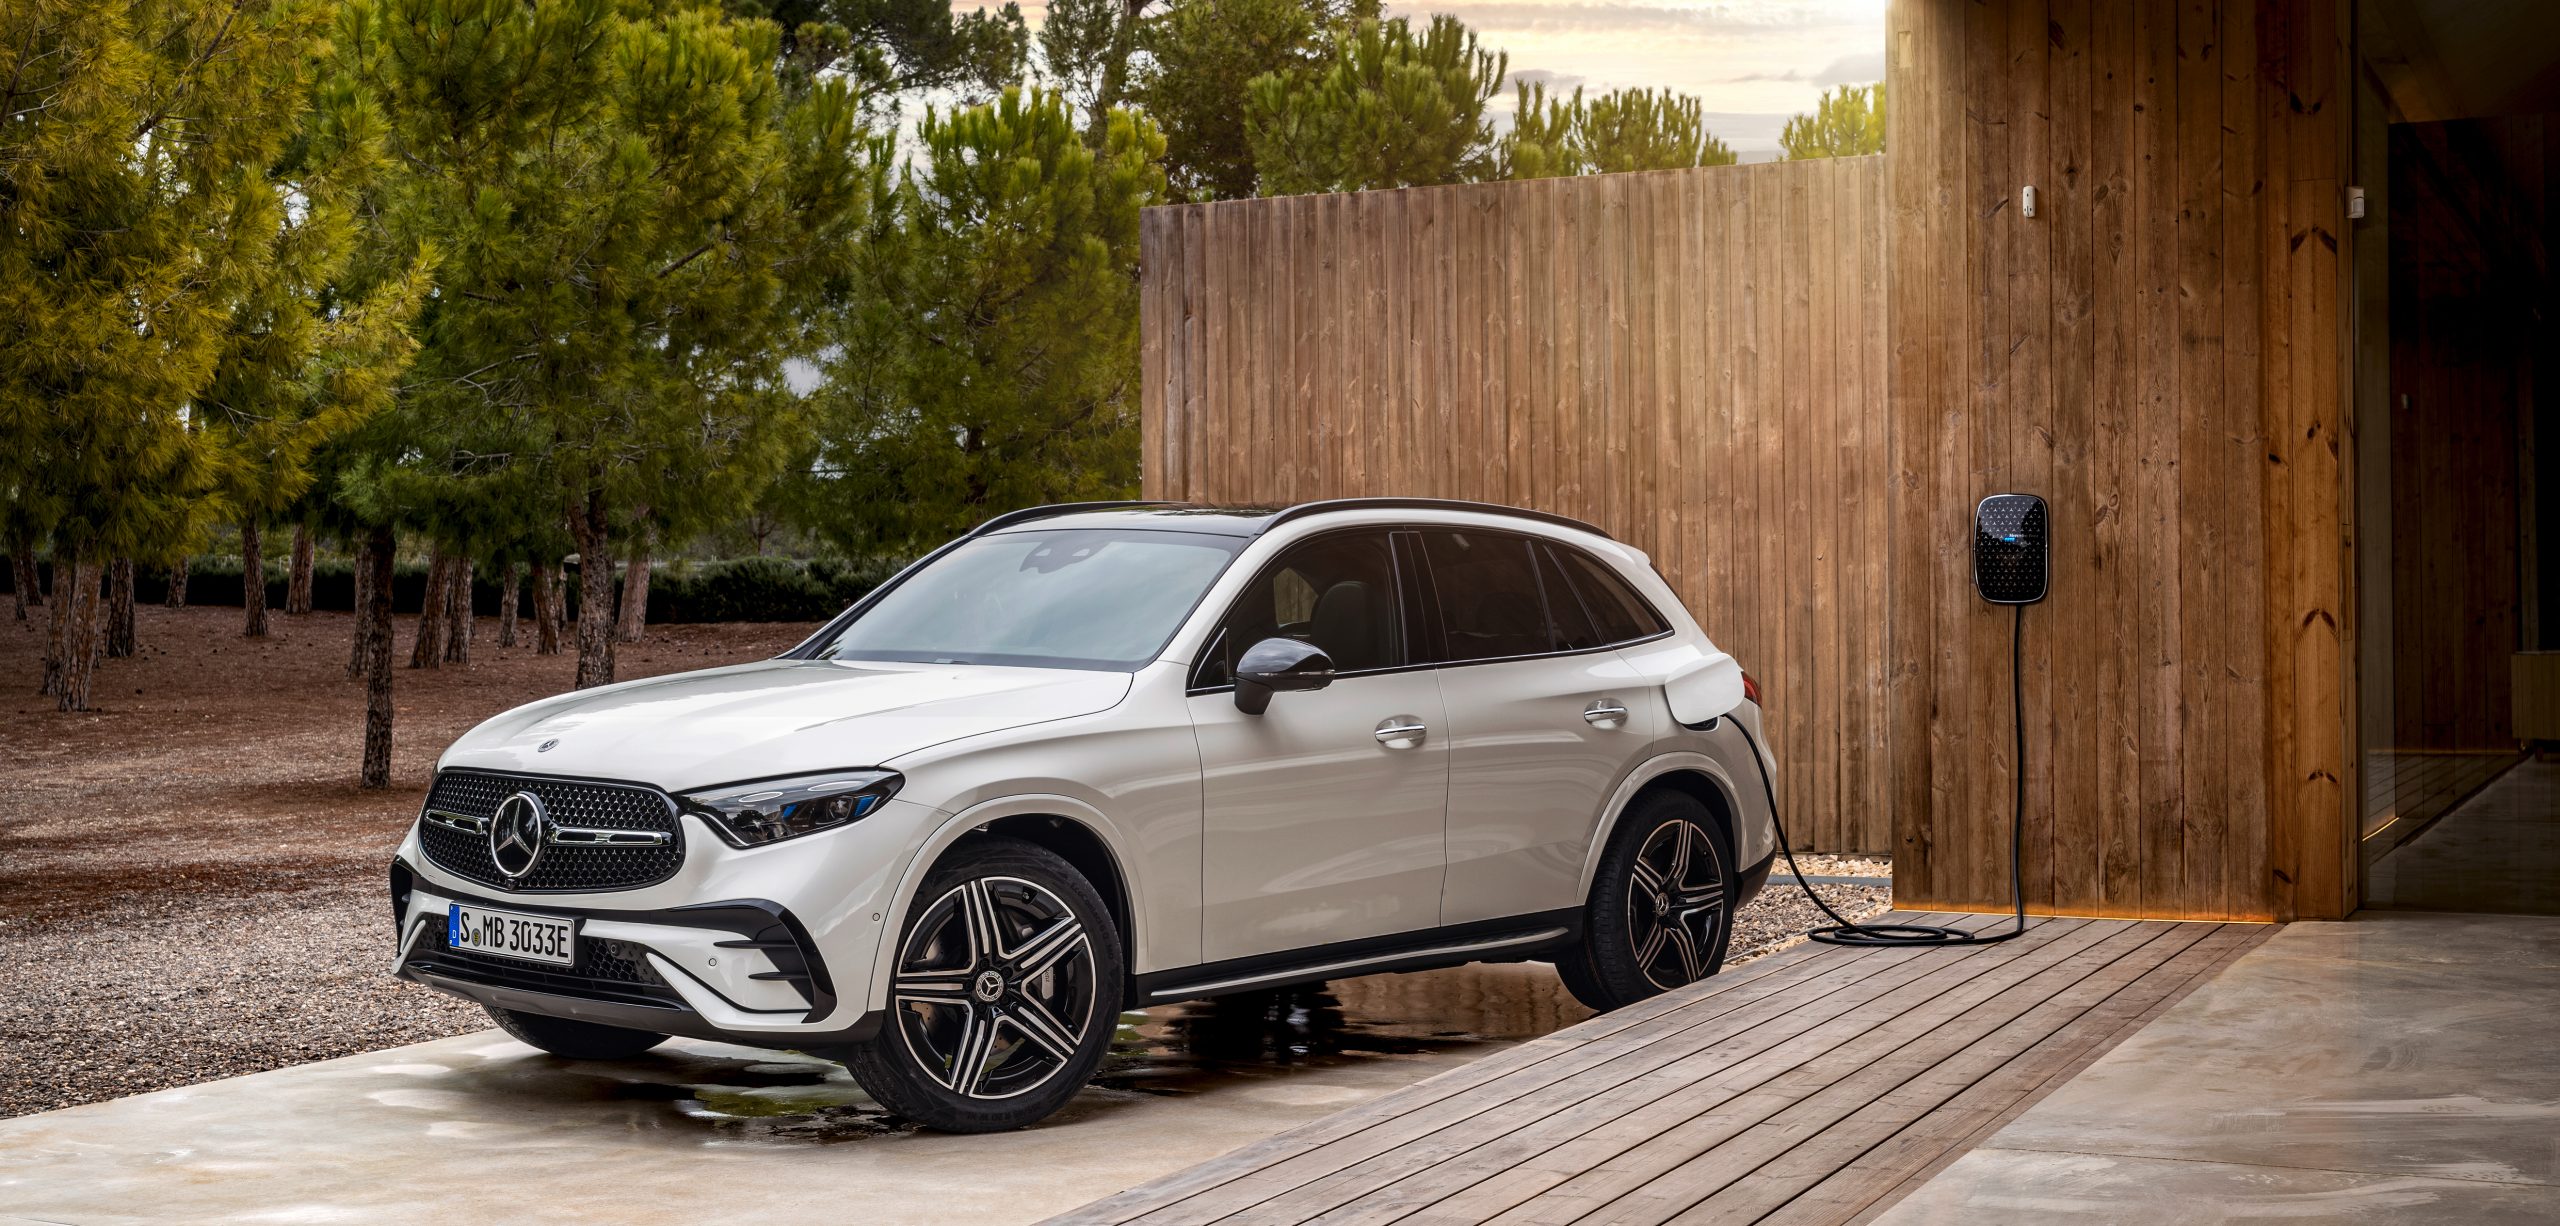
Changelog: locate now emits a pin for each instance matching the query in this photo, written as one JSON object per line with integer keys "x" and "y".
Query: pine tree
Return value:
{"x": 989, "y": 358}
{"x": 140, "y": 208}
{"x": 1623, "y": 130}
{"x": 1847, "y": 122}
{"x": 1386, "y": 107}
{"x": 1196, "y": 61}
{"x": 629, "y": 207}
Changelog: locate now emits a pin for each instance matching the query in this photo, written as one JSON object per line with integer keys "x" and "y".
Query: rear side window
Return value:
{"x": 1493, "y": 604}
{"x": 1616, "y": 611}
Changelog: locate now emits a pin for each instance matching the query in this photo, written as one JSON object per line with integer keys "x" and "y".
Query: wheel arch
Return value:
{"x": 1690, "y": 773}
{"x": 1078, "y": 833}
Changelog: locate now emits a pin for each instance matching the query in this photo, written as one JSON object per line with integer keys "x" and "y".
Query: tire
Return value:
{"x": 575, "y": 1040}
{"x": 1004, "y": 992}
{"x": 1660, "y": 913}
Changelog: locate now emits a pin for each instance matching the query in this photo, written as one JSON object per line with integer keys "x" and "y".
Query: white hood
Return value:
{"x": 773, "y": 717}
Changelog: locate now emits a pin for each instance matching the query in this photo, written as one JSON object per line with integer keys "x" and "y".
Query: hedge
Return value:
{"x": 735, "y": 589}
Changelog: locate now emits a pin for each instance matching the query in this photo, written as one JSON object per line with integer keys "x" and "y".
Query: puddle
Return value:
{"x": 1269, "y": 1046}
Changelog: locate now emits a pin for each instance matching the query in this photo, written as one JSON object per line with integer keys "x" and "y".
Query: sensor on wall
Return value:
{"x": 2009, "y": 535}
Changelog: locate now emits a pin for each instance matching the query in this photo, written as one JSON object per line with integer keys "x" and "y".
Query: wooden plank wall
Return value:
{"x": 2159, "y": 353}
{"x": 1694, "y": 360}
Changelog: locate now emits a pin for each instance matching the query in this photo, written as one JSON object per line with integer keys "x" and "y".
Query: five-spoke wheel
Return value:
{"x": 1004, "y": 994}
{"x": 1661, "y": 906}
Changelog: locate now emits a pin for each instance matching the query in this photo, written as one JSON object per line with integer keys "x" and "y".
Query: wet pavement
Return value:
{"x": 482, "y": 1129}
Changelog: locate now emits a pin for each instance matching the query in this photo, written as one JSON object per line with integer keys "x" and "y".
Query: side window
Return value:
{"x": 1491, "y": 603}
{"x": 1337, "y": 592}
{"x": 1617, "y": 612}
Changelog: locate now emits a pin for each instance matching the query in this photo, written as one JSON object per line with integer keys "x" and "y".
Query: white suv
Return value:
{"x": 1104, "y": 756}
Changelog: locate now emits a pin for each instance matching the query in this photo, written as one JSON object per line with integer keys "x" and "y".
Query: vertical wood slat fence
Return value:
{"x": 1694, "y": 360}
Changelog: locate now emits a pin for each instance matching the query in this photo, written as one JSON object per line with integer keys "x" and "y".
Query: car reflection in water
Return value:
{"x": 1464, "y": 1011}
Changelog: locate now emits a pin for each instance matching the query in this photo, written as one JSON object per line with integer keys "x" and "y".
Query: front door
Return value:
{"x": 1322, "y": 816}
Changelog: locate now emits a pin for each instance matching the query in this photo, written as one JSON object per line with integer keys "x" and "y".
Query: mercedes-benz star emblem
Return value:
{"x": 518, "y": 833}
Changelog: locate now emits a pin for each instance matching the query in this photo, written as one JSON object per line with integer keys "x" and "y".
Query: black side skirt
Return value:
{"x": 1515, "y": 938}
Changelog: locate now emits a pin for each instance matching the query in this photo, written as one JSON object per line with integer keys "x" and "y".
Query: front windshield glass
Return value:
{"x": 1056, "y": 598}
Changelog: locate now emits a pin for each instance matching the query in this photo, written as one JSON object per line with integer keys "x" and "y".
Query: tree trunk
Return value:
{"x": 546, "y": 609}
{"x": 22, "y": 577}
{"x": 177, "y": 597}
{"x": 457, "y": 613}
{"x": 508, "y": 578}
{"x": 57, "y": 633}
{"x": 633, "y": 623}
{"x": 297, "y": 585}
{"x": 120, "y": 608}
{"x": 374, "y": 616}
{"x": 253, "y": 582}
{"x": 363, "y": 606}
{"x": 80, "y": 654}
{"x": 595, "y": 593}
{"x": 428, "y": 650}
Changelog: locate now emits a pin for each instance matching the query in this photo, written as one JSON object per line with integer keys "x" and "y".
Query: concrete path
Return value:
{"x": 480, "y": 1129}
{"x": 2399, "y": 1067}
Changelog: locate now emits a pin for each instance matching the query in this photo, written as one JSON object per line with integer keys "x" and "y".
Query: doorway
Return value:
{"x": 2458, "y": 457}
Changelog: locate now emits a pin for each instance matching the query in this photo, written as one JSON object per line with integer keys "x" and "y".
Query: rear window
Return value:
{"x": 1617, "y": 612}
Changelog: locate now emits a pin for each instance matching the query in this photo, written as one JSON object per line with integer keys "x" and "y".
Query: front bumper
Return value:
{"x": 628, "y": 974}
{"x": 773, "y": 946}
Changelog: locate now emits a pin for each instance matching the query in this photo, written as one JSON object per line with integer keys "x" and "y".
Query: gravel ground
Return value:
{"x": 142, "y": 844}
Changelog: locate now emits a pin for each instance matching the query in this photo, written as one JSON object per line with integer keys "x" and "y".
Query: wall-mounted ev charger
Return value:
{"x": 2011, "y": 547}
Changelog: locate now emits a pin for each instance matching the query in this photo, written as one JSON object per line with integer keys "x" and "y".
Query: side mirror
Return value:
{"x": 1278, "y": 664}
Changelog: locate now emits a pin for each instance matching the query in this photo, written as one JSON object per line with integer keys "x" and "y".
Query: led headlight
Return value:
{"x": 769, "y": 810}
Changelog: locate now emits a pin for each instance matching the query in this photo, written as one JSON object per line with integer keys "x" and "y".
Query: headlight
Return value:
{"x": 769, "y": 810}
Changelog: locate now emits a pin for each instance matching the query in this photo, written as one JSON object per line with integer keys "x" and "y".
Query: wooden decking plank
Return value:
{"x": 1839, "y": 984}
{"x": 1550, "y": 1146}
{"x": 1803, "y": 1146}
{"x": 1816, "y": 1085}
{"x": 1663, "y": 1174}
{"x": 1589, "y": 1038}
{"x": 1874, "y": 1181}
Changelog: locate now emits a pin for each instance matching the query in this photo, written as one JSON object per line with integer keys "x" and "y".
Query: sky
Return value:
{"x": 1751, "y": 63}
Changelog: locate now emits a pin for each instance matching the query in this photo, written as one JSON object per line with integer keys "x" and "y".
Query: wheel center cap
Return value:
{"x": 989, "y": 986}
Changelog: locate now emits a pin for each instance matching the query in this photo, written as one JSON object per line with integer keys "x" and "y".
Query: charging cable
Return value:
{"x": 1844, "y": 931}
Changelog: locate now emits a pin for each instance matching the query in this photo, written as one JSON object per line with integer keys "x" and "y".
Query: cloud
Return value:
{"x": 1859, "y": 69}
{"x": 1541, "y": 76}
{"x": 1751, "y": 16}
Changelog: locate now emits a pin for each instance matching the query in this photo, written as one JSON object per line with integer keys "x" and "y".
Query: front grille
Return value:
{"x": 563, "y": 868}
{"x": 607, "y": 969}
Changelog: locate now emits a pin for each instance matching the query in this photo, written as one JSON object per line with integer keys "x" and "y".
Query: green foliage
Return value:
{"x": 1384, "y": 107}
{"x": 1198, "y": 59}
{"x": 140, "y": 209}
{"x": 897, "y": 44}
{"x": 1847, "y": 122}
{"x": 632, "y": 217}
{"x": 761, "y": 590}
{"x": 989, "y": 358}
{"x": 1624, "y": 130}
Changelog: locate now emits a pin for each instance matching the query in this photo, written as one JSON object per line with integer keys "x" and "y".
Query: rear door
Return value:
{"x": 1322, "y": 817}
{"x": 1543, "y": 721}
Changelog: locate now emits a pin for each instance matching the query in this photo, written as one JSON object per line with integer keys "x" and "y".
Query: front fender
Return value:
{"x": 929, "y": 851}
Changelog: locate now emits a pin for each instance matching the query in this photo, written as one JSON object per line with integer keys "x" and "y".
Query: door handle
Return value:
{"x": 1604, "y": 713}
{"x": 1401, "y": 732}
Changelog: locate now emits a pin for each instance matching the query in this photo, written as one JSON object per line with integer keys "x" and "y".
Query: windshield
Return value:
{"x": 1063, "y": 598}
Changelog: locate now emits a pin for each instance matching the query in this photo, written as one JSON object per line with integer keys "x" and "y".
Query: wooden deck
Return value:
{"x": 1816, "y": 1085}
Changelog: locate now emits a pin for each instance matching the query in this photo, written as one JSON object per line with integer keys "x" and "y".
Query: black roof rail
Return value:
{"x": 1027, "y": 514}
{"x": 1427, "y": 504}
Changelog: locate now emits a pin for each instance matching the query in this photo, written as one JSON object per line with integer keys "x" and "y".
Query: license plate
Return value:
{"x": 512, "y": 934}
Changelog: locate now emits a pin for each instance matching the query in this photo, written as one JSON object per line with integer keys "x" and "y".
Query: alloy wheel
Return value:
{"x": 995, "y": 988}
{"x": 1675, "y": 904}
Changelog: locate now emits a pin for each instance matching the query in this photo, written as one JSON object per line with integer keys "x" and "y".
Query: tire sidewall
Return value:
{"x": 890, "y": 1072}
{"x": 1608, "y": 956}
